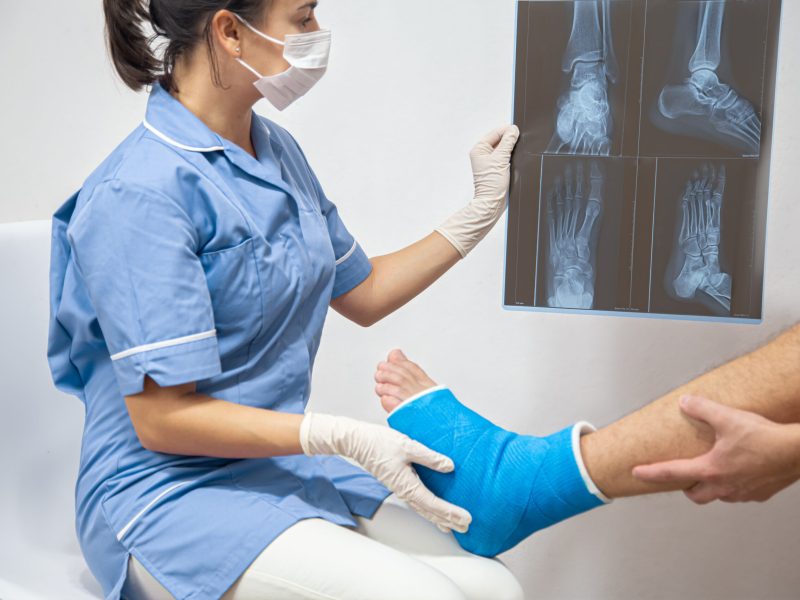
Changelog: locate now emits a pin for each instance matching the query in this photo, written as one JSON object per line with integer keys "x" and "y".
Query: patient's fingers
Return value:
{"x": 703, "y": 493}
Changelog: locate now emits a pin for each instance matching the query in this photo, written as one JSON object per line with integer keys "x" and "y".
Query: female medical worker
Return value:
{"x": 190, "y": 279}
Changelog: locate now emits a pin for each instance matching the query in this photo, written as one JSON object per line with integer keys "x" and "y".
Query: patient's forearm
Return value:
{"x": 766, "y": 382}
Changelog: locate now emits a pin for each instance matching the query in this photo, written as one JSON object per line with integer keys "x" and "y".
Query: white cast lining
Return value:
{"x": 125, "y": 529}
{"x": 164, "y": 344}
{"x": 348, "y": 255}
{"x": 172, "y": 142}
{"x": 578, "y": 431}
{"x": 417, "y": 397}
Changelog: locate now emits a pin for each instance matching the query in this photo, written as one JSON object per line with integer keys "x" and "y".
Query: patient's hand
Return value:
{"x": 398, "y": 379}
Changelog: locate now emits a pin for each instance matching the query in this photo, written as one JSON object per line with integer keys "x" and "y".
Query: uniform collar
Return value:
{"x": 169, "y": 120}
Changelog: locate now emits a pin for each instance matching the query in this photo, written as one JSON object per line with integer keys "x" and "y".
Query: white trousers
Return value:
{"x": 397, "y": 555}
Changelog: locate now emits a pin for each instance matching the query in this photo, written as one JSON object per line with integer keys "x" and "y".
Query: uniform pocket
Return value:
{"x": 235, "y": 288}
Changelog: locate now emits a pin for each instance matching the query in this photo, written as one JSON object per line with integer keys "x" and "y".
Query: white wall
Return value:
{"x": 412, "y": 86}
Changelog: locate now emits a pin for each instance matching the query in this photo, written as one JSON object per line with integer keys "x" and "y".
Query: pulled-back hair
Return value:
{"x": 132, "y": 27}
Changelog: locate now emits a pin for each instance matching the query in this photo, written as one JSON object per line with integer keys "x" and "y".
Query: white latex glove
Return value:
{"x": 388, "y": 455}
{"x": 491, "y": 170}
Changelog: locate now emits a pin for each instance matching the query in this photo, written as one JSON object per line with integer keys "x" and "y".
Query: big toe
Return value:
{"x": 397, "y": 356}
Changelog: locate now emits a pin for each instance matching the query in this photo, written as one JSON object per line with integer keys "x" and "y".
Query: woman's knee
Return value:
{"x": 345, "y": 563}
{"x": 479, "y": 578}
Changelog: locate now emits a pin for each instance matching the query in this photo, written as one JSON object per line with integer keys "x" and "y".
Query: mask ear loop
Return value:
{"x": 257, "y": 32}
{"x": 249, "y": 68}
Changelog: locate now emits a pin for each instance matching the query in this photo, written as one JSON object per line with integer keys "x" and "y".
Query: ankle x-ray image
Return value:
{"x": 584, "y": 124}
{"x": 575, "y": 100}
{"x": 702, "y": 105}
{"x": 640, "y": 182}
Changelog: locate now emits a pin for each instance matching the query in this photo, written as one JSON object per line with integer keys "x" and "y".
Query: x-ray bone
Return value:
{"x": 703, "y": 106}
{"x": 695, "y": 272}
{"x": 584, "y": 123}
{"x": 573, "y": 220}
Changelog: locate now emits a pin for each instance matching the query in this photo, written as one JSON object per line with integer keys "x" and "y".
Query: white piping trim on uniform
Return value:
{"x": 172, "y": 142}
{"x": 348, "y": 255}
{"x": 165, "y": 344}
{"x": 125, "y": 529}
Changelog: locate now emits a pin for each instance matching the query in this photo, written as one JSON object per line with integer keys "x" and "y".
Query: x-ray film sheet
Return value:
{"x": 641, "y": 179}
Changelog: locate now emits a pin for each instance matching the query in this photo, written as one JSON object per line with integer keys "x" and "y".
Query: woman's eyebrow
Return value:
{"x": 311, "y": 5}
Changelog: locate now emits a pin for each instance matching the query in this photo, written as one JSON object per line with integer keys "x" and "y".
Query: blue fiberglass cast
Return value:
{"x": 513, "y": 485}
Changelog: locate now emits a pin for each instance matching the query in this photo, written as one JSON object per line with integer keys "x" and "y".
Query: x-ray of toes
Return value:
{"x": 640, "y": 182}
{"x": 580, "y": 215}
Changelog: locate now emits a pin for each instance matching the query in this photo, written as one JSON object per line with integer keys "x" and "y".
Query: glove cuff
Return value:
{"x": 305, "y": 433}
{"x": 443, "y": 230}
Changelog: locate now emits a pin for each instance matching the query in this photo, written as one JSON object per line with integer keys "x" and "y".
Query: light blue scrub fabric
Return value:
{"x": 184, "y": 258}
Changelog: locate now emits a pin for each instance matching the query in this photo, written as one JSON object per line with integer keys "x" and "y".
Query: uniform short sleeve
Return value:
{"x": 352, "y": 264}
{"x": 136, "y": 251}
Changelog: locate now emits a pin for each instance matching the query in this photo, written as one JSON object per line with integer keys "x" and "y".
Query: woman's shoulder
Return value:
{"x": 141, "y": 165}
{"x": 141, "y": 159}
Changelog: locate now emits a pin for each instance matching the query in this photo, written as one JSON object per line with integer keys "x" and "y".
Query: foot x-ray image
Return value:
{"x": 704, "y": 98}
{"x": 640, "y": 182}
{"x": 695, "y": 271}
{"x": 585, "y": 123}
{"x": 574, "y": 211}
{"x": 705, "y": 224}
{"x": 702, "y": 105}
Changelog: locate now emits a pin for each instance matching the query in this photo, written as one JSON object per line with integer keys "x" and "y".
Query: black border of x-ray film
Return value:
{"x": 647, "y": 169}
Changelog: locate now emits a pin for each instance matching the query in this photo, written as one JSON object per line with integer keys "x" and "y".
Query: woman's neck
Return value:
{"x": 217, "y": 108}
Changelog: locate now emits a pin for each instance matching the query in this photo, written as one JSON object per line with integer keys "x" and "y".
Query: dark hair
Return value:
{"x": 182, "y": 23}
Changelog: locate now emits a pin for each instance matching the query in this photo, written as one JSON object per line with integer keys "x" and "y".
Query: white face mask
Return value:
{"x": 307, "y": 53}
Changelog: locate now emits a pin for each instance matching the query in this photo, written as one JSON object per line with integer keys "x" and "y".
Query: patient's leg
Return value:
{"x": 765, "y": 382}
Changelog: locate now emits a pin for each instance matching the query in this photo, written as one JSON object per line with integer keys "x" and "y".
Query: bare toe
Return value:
{"x": 389, "y": 403}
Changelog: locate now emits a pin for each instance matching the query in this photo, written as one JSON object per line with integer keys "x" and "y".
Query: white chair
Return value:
{"x": 40, "y": 435}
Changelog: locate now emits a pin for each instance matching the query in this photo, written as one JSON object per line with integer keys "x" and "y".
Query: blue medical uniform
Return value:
{"x": 184, "y": 258}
